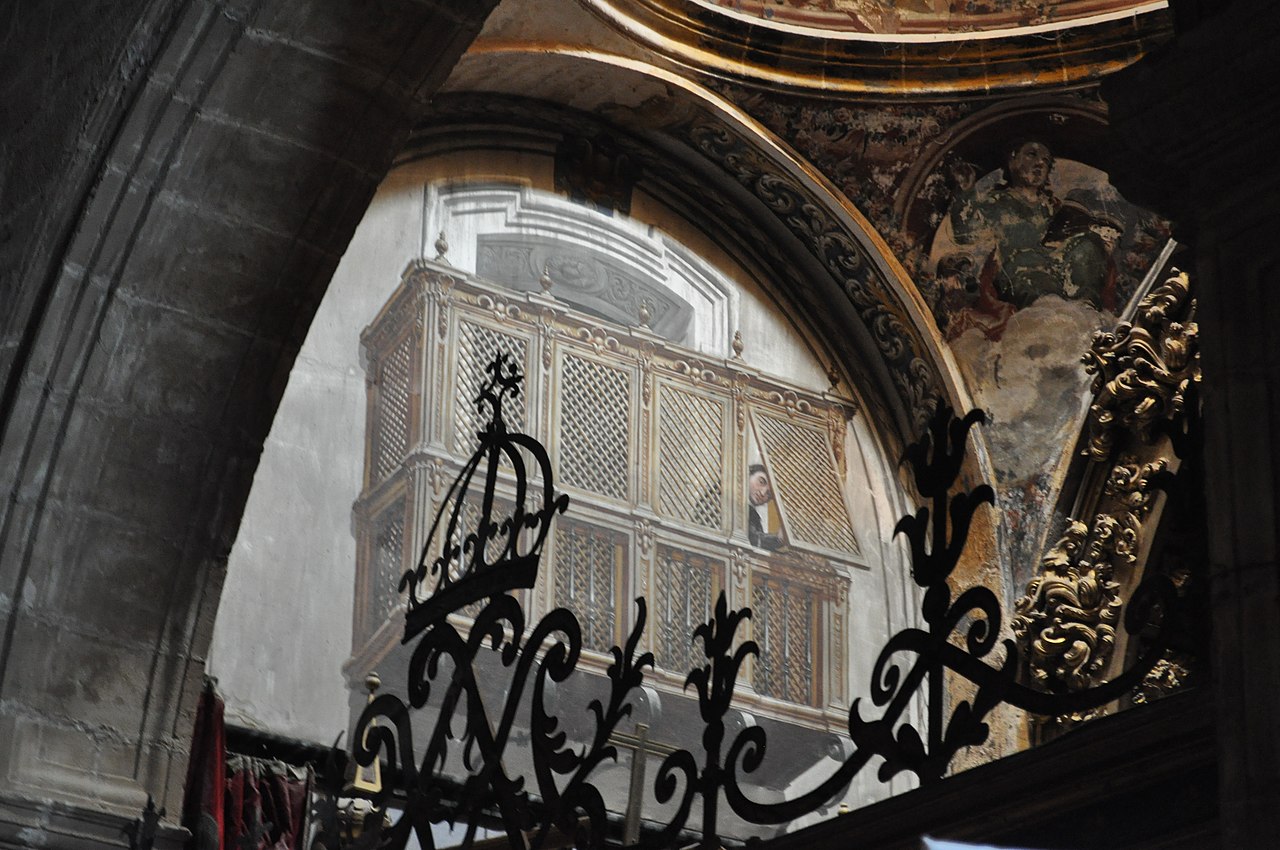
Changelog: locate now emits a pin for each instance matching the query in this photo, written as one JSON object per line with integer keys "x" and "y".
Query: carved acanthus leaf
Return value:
{"x": 1143, "y": 370}
{"x": 1066, "y": 622}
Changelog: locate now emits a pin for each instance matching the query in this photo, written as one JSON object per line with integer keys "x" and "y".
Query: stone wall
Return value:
{"x": 183, "y": 191}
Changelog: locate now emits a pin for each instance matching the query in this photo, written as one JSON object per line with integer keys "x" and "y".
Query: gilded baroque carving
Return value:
{"x": 1066, "y": 622}
{"x": 695, "y": 371}
{"x": 1167, "y": 676}
{"x": 438, "y": 475}
{"x": 1142, "y": 370}
{"x": 598, "y": 339}
{"x": 1144, "y": 373}
{"x": 739, "y": 390}
{"x": 740, "y": 565}
{"x": 546, "y": 321}
{"x": 1067, "y": 619}
{"x": 644, "y": 535}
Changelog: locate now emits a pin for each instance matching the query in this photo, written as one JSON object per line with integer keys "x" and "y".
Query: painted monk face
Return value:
{"x": 1029, "y": 165}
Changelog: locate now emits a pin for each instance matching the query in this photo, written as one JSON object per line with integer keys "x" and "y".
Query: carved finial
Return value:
{"x": 646, "y": 314}
{"x": 442, "y": 246}
{"x": 833, "y": 375}
{"x": 372, "y": 682}
{"x": 544, "y": 280}
{"x": 738, "y": 345}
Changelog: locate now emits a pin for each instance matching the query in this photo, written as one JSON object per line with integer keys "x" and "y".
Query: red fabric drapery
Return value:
{"x": 236, "y": 802}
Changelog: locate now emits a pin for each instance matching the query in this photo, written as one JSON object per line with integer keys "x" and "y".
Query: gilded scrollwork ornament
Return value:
{"x": 1143, "y": 371}
{"x": 1067, "y": 620}
{"x": 1145, "y": 376}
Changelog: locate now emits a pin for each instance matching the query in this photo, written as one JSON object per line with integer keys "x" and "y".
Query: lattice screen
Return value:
{"x": 686, "y": 584}
{"x": 784, "y": 626}
{"x": 690, "y": 457}
{"x": 388, "y": 564}
{"x": 595, "y": 416}
{"x": 477, "y": 346}
{"x": 805, "y": 481}
{"x": 590, "y": 564}
{"x": 391, "y": 416}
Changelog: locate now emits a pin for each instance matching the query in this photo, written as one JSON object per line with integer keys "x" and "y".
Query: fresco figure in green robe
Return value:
{"x": 1028, "y": 242}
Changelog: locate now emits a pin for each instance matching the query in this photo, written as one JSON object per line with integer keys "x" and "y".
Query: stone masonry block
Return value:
{"x": 365, "y": 32}
{"x": 151, "y": 474}
{"x": 245, "y": 278}
{"x": 261, "y": 181}
{"x": 119, "y": 578}
{"x": 303, "y": 96}
{"x": 180, "y": 367}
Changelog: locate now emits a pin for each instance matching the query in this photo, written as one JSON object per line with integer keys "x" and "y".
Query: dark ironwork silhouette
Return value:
{"x": 499, "y": 557}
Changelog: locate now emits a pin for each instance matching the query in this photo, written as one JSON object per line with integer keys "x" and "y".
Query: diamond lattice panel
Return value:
{"x": 806, "y": 484}
{"x": 767, "y": 628}
{"x": 477, "y": 346}
{"x": 595, "y": 414}
{"x": 690, "y": 457}
{"x": 391, "y": 415}
{"x": 684, "y": 582}
{"x": 781, "y": 617}
{"x": 589, "y": 562}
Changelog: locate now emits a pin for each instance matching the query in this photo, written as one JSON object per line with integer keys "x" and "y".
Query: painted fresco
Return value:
{"x": 1023, "y": 250}
{"x": 1004, "y": 218}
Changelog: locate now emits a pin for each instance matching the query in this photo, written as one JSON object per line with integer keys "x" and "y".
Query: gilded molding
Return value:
{"x": 1143, "y": 370}
{"x": 849, "y": 264}
{"x": 716, "y": 42}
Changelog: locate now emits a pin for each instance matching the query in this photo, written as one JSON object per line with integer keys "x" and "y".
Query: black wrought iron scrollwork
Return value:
{"x": 444, "y": 659}
{"x": 466, "y": 570}
{"x": 937, "y": 534}
{"x": 958, "y": 640}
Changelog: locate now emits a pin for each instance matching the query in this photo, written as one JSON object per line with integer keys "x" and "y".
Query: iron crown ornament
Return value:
{"x": 959, "y": 639}
{"x": 468, "y": 569}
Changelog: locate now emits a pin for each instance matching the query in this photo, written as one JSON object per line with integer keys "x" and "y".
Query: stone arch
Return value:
{"x": 148, "y": 354}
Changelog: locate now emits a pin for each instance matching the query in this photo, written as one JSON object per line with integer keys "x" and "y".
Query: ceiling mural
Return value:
{"x": 921, "y": 16}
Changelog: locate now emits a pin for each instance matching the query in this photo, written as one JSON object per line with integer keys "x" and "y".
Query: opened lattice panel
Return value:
{"x": 685, "y": 584}
{"x": 804, "y": 480}
{"x": 477, "y": 346}
{"x": 392, "y": 413}
{"x": 690, "y": 457}
{"x": 590, "y": 562}
{"x": 595, "y": 412}
{"x": 783, "y": 627}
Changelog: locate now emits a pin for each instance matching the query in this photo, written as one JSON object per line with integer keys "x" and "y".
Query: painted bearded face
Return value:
{"x": 1029, "y": 165}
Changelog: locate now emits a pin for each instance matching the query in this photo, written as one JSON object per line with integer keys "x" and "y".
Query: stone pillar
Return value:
{"x": 1199, "y": 127}
{"x": 174, "y": 261}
